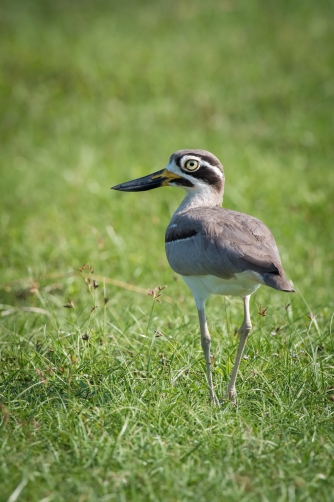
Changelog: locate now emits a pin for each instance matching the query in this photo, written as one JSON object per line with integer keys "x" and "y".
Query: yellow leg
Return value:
{"x": 206, "y": 342}
{"x": 244, "y": 331}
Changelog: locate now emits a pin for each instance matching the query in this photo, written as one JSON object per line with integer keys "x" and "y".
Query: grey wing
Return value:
{"x": 221, "y": 242}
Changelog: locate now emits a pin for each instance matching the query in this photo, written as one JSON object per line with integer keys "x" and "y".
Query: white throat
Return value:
{"x": 200, "y": 196}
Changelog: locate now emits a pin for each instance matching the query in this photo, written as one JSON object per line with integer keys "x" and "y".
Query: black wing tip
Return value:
{"x": 277, "y": 281}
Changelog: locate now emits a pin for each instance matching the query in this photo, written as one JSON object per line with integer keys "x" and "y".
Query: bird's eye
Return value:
{"x": 191, "y": 165}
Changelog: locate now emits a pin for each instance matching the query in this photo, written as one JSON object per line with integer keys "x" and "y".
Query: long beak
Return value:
{"x": 155, "y": 180}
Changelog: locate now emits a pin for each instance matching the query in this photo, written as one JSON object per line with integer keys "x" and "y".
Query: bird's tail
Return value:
{"x": 277, "y": 281}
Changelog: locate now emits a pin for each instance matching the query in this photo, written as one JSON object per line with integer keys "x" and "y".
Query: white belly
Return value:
{"x": 202, "y": 286}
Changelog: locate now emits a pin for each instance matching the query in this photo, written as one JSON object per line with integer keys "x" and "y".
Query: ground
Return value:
{"x": 103, "y": 393}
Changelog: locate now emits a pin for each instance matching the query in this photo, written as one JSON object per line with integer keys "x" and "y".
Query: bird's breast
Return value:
{"x": 242, "y": 284}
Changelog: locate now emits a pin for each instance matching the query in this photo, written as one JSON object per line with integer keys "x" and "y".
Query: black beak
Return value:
{"x": 149, "y": 182}
{"x": 155, "y": 180}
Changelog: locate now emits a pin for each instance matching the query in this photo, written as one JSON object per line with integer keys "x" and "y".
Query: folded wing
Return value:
{"x": 221, "y": 242}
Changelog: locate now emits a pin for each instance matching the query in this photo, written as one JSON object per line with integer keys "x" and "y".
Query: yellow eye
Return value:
{"x": 191, "y": 165}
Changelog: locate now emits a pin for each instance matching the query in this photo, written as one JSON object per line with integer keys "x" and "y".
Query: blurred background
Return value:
{"x": 95, "y": 93}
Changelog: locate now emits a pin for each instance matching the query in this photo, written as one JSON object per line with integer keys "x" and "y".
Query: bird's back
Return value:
{"x": 221, "y": 242}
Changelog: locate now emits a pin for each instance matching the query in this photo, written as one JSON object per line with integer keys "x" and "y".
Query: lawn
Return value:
{"x": 102, "y": 389}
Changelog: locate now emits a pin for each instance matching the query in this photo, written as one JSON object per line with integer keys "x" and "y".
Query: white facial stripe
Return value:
{"x": 174, "y": 168}
{"x": 201, "y": 161}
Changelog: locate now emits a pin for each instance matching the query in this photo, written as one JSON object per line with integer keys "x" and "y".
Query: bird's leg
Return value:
{"x": 243, "y": 334}
{"x": 206, "y": 341}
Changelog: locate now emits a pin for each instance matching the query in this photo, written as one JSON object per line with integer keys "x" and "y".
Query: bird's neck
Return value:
{"x": 207, "y": 197}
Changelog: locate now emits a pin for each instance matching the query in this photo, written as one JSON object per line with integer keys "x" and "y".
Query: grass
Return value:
{"x": 110, "y": 403}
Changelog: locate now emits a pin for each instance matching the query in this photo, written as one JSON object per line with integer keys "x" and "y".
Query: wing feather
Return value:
{"x": 222, "y": 242}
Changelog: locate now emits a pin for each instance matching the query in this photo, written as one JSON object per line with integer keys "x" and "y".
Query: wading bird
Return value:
{"x": 216, "y": 251}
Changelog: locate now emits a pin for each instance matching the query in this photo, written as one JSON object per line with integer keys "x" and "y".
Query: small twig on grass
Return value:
{"x": 34, "y": 310}
{"x": 127, "y": 286}
{"x": 97, "y": 278}
{"x": 156, "y": 293}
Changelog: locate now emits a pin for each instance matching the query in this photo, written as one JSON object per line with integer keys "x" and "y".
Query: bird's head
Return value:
{"x": 194, "y": 170}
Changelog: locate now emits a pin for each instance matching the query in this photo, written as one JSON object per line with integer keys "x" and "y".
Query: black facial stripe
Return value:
{"x": 182, "y": 182}
{"x": 173, "y": 234}
{"x": 178, "y": 160}
{"x": 209, "y": 176}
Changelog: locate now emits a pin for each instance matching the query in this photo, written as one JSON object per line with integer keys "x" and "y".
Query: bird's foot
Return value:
{"x": 214, "y": 399}
{"x": 231, "y": 395}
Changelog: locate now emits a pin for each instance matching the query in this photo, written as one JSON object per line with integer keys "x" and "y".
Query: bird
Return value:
{"x": 216, "y": 250}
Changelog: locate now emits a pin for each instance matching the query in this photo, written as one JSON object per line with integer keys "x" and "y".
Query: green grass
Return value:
{"x": 94, "y": 405}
